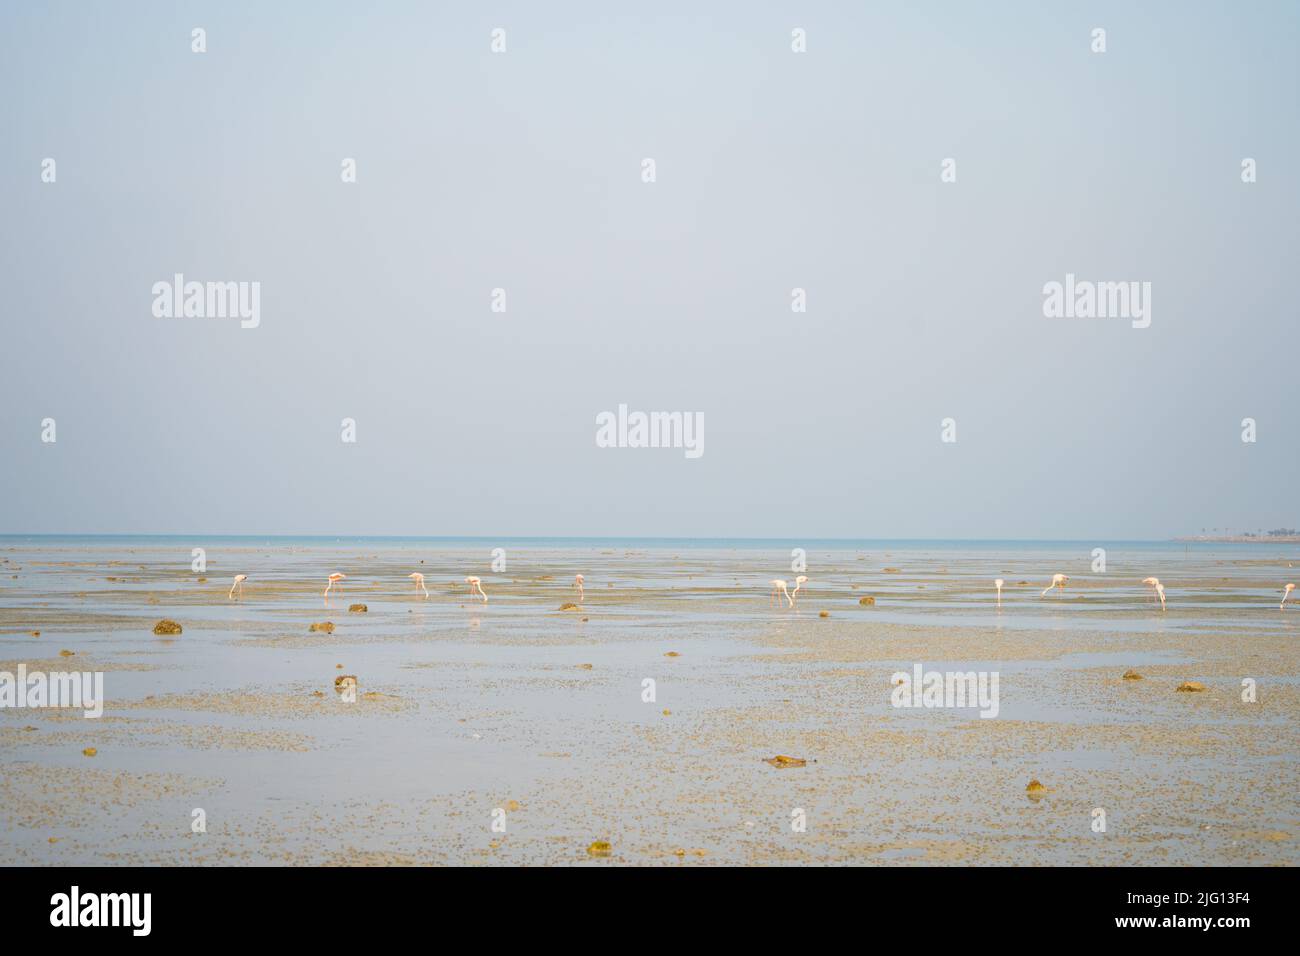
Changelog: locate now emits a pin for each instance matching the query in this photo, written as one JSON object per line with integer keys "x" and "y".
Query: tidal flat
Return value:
{"x": 510, "y": 732}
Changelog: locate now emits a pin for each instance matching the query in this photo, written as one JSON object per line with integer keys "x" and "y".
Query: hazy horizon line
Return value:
{"x": 577, "y": 537}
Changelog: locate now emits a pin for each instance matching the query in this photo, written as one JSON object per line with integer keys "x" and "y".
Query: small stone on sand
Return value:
{"x": 599, "y": 848}
{"x": 1035, "y": 787}
{"x": 358, "y": 608}
{"x": 1131, "y": 674}
{"x": 1191, "y": 686}
{"x": 866, "y": 601}
{"x": 325, "y": 627}
{"x": 166, "y": 627}
{"x": 89, "y": 752}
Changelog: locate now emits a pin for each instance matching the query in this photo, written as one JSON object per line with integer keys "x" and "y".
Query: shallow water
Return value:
{"x": 516, "y": 700}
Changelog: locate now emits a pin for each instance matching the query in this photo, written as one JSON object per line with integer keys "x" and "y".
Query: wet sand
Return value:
{"x": 464, "y": 709}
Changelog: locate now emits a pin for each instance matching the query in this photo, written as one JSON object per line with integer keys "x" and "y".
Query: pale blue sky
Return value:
{"x": 775, "y": 170}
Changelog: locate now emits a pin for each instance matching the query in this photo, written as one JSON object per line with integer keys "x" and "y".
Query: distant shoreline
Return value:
{"x": 1243, "y": 538}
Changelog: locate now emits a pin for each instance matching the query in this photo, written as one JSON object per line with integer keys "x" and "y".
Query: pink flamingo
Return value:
{"x": 780, "y": 585}
{"x": 334, "y": 579}
{"x": 577, "y": 583}
{"x": 1286, "y": 593}
{"x": 418, "y": 578}
{"x": 1058, "y": 581}
{"x": 998, "y": 584}
{"x": 1160, "y": 590}
{"x": 798, "y": 583}
{"x": 476, "y": 585}
{"x": 239, "y": 583}
{"x": 1152, "y": 583}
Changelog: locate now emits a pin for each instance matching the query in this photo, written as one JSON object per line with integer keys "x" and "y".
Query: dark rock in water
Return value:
{"x": 166, "y": 627}
{"x": 359, "y": 608}
{"x": 324, "y": 627}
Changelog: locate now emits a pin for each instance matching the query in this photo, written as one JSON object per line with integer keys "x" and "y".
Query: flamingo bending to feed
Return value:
{"x": 1152, "y": 583}
{"x": 780, "y": 585}
{"x": 577, "y": 583}
{"x": 476, "y": 585}
{"x": 239, "y": 583}
{"x": 1058, "y": 581}
{"x": 798, "y": 583}
{"x": 1286, "y": 593}
{"x": 998, "y": 584}
{"x": 418, "y": 578}
{"x": 334, "y": 579}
